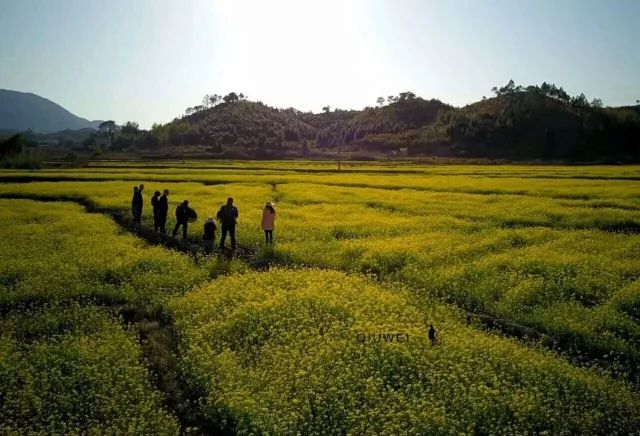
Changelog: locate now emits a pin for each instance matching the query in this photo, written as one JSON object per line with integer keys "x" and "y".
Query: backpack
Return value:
{"x": 191, "y": 215}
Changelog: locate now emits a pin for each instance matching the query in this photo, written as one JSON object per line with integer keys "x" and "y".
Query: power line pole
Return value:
{"x": 182, "y": 142}
{"x": 340, "y": 142}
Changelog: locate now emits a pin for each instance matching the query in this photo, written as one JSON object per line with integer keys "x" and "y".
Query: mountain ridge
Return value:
{"x": 21, "y": 111}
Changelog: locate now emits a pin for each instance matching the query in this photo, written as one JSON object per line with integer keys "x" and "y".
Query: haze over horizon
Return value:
{"x": 147, "y": 61}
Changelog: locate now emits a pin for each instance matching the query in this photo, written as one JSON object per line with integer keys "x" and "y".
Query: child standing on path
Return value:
{"x": 209, "y": 235}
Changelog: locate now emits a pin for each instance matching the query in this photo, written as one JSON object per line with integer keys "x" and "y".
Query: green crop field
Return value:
{"x": 530, "y": 275}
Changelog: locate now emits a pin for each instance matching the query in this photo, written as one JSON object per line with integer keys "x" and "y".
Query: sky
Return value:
{"x": 148, "y": 60}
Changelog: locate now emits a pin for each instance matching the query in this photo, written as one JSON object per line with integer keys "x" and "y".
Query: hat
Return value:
{"x": 269, "y": 203}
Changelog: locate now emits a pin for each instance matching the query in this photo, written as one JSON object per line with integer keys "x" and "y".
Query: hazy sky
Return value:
{"x": 148, "y": 60}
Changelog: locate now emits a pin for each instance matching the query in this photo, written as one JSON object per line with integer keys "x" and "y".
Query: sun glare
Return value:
{"x": 307, "y": 54}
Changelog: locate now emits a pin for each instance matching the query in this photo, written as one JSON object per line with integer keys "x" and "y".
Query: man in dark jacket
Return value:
{"x": 163, "y": 210}
{"x": 136, "y": 203}
{"x": 182, "y": 219}
{"x": 155, "y": 203}
{"x": 228, "y": 215}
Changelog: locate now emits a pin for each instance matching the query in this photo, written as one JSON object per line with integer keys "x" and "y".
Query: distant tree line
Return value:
{"x": 541, "y": 121}
{"x": 123, "y": 137}
{"x": 12, "y": 145}
{"x": 14, "y": 153}
{"x": 534, "y": 121}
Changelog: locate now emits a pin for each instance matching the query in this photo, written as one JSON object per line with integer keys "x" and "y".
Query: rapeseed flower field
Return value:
{"x": 370, "y": 252}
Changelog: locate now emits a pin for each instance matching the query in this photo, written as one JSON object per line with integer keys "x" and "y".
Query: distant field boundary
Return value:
{"x": 20, "y": 178}
{"x": 624, "y": 228}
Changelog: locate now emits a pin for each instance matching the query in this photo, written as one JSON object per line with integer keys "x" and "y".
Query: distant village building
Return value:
{"x": 48, "y": 142}
{"x": 401, "y": 151}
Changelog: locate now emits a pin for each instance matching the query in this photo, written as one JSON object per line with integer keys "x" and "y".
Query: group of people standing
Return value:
{"x": 227, "y": 217}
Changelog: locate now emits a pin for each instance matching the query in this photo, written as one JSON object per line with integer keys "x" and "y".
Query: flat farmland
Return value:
{"x": 529, "y": 274}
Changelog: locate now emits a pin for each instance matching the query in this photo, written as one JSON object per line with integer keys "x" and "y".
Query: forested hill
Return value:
{"x": 533, "y": 122}
{"x": 256, "y": 127}
{"x": 381, "y": 127}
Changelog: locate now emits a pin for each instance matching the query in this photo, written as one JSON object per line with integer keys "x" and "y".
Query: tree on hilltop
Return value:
{"x": 214, "y": 99}
{"x": 509, "y": 89}
{"x": 230, "y": 97}
{"x": 406, "y": 96}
